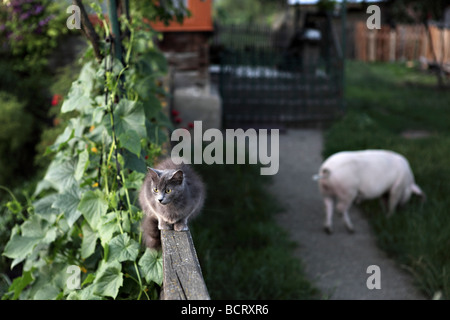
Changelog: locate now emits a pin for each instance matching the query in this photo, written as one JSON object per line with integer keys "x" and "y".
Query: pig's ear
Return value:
{"x": 155, "y": 174}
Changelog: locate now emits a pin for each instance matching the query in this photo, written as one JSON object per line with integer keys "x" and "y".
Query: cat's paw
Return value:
{"x": 164, "y": 226}
{"x": 180, "y": 227}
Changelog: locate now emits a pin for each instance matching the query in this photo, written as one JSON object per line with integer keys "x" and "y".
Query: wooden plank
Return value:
{"x": 392, "y": 41}
{"x": 372, "y": 45}
{"x": 183, "y": 279}
{"x": 361, "y": 41}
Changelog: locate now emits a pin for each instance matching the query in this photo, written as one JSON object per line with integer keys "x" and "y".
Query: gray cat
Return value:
{"x": 170, "y": 195}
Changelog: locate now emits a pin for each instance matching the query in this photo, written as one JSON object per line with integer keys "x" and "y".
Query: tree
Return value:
{"x": 246, "y": 12}
{"x": 416, "y": 11}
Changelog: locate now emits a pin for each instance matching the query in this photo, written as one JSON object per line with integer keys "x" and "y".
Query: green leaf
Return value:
{"x": 131, "y": 141}
{"x": 44, "y": 208}
{"x": 77, "y": 99}
{"x": 134, "y": 163}
{"x": 134, "y": 180}
{"x": 68, "y": 203}
{"x": 129, "y": 115}
{"x": 60, "y": 174}
{"x": 33, "y": 232}
{"x": 21, "y": 283}
{"x": 35, "y": 226}
{"x": 108, "y": 227}
{"x": 83, "y": 162}
{"x": 123, "y": 248}
{"x": 152, "y": 266}
{"x": 142, "y": 88}
{"x": 159, "y": 62}
{"x": 109, "y": 280}
{"x": 47, "y": 292}
{"x": 19, "y": 247}
{"x": 89, "y": 241}
{"x": 61, "y": 141}
{"x": 83, "y": 294}
{"x": 88, "y": 75}
{"x": 89, "y": 279}
{"x": 93, "y": 206}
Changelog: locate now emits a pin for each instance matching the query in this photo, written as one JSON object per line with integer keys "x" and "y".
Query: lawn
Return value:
{"x": 383, "y": 102}
{"x": 243, "y": 253}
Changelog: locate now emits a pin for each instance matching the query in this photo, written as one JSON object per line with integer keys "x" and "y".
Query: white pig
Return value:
{"x": 350, "y": 176}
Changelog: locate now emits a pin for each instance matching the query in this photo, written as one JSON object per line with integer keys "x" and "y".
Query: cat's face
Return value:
{"x": 166, "y": 185}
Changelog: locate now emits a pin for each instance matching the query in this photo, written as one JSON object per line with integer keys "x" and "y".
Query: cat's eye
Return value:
{"x": 168, "y": 190}
{"x": 155, "y": 190}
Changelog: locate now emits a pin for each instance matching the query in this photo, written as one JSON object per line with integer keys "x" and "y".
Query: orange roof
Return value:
{"x": 200, "y": 19}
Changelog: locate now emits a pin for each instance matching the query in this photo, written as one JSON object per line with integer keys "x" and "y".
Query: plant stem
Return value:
{"x": 119, "y": 219}
{"x": 112, "y": 149}
{"x": 89, "y": 31}
{"x": 126, "y": 190}
{"x": 139, "y": 278}
{"x": 130, "y": 46}
{"x": 10, "y": 193}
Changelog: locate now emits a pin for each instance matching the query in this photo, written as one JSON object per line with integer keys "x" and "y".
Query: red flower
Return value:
{"x": 178, "y": 120}
{"x": 57, "y": 98}
{"x": 146, "y": 157}
{"x": 175, "y": 113}
{"x": 191, "y": 125}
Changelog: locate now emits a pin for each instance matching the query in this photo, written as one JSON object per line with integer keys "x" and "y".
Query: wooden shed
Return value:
{"x": 186, "y": 45}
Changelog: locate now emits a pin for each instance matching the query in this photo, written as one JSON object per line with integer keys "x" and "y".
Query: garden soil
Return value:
{"x": 338, "y": 263}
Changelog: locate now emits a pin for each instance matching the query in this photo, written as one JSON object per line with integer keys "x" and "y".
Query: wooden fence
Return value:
{"x": 405, "y": 42}
{"x": 183, "y": 279}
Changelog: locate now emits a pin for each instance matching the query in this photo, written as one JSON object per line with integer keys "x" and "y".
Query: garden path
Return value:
{"x": 336, "y": 263}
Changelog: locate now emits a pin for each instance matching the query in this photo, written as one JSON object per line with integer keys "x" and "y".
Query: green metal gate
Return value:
{"x": 264, "y": 84}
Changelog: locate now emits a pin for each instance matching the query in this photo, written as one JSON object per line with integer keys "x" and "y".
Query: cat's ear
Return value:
{"x": 177, "y": 177}
{"x": 155, "y": 174}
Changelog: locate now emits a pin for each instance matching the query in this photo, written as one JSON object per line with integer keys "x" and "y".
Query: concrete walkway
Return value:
{"x": 336, "y": 263}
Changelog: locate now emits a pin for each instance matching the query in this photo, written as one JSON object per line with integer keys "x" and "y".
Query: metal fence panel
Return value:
{"x": 261, "y": 82}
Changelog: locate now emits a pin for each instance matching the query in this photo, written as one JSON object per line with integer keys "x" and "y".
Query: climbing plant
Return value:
{"x": 80, "y": 234}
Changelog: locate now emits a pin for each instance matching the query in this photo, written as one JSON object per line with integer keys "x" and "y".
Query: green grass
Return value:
{"x": 383, "y": 100}
{"x": 243, "y": 253}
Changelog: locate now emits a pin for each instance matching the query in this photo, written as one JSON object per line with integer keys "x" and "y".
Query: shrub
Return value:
{"x": 83, "y": 218}
{"x": 16, "y": 127}
{"x": 29, "y": 30}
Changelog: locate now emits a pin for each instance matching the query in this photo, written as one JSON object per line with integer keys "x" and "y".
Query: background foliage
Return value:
{"x": 247, "y": 12}
{"x": 29, "y": 31}
{"x": 83, "y": 212}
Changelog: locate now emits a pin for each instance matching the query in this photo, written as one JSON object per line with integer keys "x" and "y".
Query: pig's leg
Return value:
{"x": 405, "y": 196}
{"x": 395, "y": 196}
{"x": 343, "y": 206}
{"x": 329, "y": 203}
{"x": 348, "y": 222}
{"x": 384, "y": 202}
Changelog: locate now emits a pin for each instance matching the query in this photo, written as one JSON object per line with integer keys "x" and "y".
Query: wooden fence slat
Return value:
{"x": 392, "y": 41}
{"x": 361, "y": 41}
{"x": 183, "y": 279}
{"x": 405, "y": 42}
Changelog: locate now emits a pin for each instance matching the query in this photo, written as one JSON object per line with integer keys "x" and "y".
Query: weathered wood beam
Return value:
{"x": 89, "y": 30}
{"x": 183, "y": 279}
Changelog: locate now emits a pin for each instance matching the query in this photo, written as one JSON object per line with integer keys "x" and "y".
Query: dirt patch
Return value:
{"x": 337, "y": 263}
{"x": 415, "y": 134}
